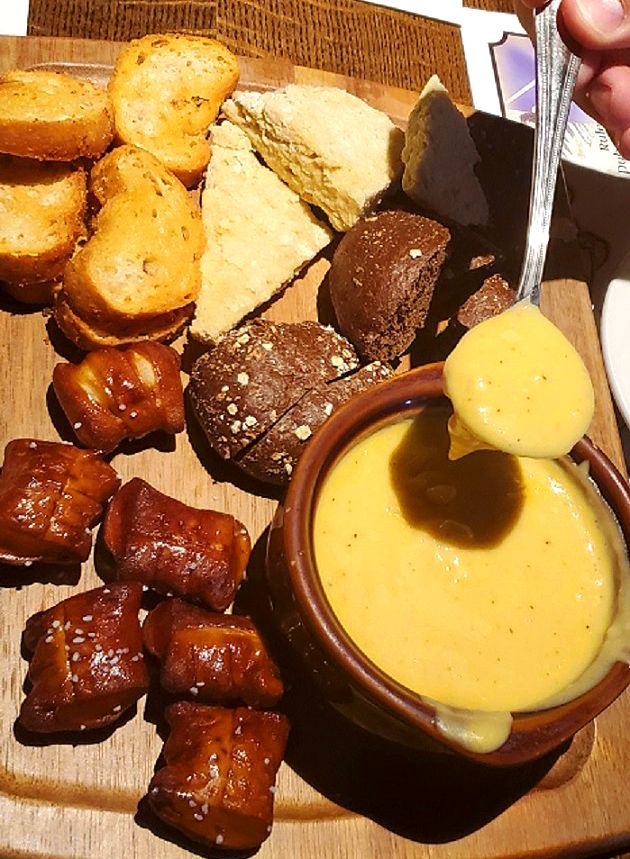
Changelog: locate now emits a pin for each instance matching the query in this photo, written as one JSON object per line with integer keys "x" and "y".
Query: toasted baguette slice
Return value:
{"x": 142, "y": 260}
{"x": 259, "y": 232}
{"x": 32, "y": 293}
{"x": 42, "y": 207}
{"x": 440, "y": 157}
{"x": 53, "y": 117}
{"x": 329, "y": 146}
{"x": 166, "y": 92}
{"x": 87, "y": 335}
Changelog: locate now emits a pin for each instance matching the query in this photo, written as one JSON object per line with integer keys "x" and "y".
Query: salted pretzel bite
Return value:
{"x": 87, "y": 667}
{"x": 216, "y": 658}
{"x": 51, "y": 496}
{"x": 200, "y": 555}
{"x": 117, "y": 394}
{"x": 217, "y": 786}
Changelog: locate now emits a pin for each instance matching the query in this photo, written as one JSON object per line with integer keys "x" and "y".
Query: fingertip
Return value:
{"x": 596, "y": 24}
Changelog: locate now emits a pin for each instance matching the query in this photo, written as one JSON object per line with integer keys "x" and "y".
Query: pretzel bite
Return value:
{"x": 113, "y": 395}
{"x": 87, "y": 666}
{"x": 53, "y": 116}
{"x": 200, "y": 555}
{"x": 218, "y": 783}
{"x": 51, "y": 496}
{"x": 217, "y": 658}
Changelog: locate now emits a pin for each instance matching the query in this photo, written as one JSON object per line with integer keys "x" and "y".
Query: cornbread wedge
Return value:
{"x": 440, "y": 157}
{"x": 329, "y": 146}
{"x": 42, "y": 207}
{"x": 167, "y": 91}
{"x": 142, "y": 260}
{"x": 53, "y": 117}
{"x": 260, "y": 234}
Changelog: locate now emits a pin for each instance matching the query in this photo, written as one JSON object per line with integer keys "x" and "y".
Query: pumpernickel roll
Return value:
{"x": 382, "y": 279}
{"x": 275, "y": 455}
{"x": 263, "y": 391}
{"x": 257, "y": 372}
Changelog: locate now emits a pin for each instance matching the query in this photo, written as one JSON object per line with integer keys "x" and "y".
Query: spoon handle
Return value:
{"x": 556, "y": 73}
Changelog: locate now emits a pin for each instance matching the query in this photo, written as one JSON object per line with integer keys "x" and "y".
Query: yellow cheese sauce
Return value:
{"x": 518, "y": 385}
{"x": 487, "y": 584}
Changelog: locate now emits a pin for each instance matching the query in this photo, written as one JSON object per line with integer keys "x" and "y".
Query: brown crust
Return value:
{"x": 382, "y": 278}
{"x": 142, "y": 259}
{"x": 274, "y": 456}
{"x": 241, "y": 387}
{"x": 31, "y": 293}
{"x": 87, "y": 336}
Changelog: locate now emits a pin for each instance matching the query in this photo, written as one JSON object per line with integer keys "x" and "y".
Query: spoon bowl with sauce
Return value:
{"x": 482, "y": 604}
{"x": 515, "y": 381}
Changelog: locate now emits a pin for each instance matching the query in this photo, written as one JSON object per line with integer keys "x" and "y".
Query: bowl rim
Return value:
{"x": 533, "y": 733}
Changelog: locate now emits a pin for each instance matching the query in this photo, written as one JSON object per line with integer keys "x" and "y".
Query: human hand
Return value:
{"x": 599, "y": 31}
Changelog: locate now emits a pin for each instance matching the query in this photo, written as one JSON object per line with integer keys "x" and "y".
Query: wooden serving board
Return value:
{"x": 341, "y": 793}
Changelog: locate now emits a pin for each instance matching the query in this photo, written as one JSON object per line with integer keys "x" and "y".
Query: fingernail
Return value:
{"x": 600, "y": 96}
{"x": 603, "y": 15}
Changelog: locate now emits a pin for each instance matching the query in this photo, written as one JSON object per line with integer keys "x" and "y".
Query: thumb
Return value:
{"x": 598, "y": 24}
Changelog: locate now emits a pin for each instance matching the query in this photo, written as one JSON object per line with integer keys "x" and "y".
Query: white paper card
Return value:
{"x": 500, "y": 62}
{"x": 13, "y": 17}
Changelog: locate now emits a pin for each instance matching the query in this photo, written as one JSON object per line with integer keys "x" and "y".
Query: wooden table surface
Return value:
{"x": 345, "y": 36}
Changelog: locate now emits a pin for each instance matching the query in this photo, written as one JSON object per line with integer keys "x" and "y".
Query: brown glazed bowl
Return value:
{"x": 347, "y": 678}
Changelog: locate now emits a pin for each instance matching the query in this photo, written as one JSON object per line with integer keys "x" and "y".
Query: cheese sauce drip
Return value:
{"x": 487, "y": 585}
{"x": 518, "y": 385}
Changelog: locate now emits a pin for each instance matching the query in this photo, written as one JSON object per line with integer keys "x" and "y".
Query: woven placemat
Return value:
{"x": 344, "y": 36}
{"x": 491, "y": 5}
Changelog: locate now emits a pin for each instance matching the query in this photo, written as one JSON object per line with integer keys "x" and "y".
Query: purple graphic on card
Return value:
{"x": 514, "y": 68}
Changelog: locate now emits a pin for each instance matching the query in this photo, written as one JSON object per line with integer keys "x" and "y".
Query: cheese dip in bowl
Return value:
{"x": 482, "y": 602}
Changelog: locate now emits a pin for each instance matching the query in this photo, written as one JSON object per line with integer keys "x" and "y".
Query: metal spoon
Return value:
{"x": 556, "y": 73}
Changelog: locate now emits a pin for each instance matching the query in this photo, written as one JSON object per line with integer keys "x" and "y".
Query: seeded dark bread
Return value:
{"x": 494, "y": 296}
{"x": 259, "y": 371}
{"x": 274, "y": 456}
{"x": 382, "y": 279}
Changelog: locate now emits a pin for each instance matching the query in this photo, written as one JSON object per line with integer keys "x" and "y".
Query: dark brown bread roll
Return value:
{"x": 249, "y": 380}
{"x": 268, "y": 386}
{"x": 382, "y": 279}
{"x": 275, "y": 455}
